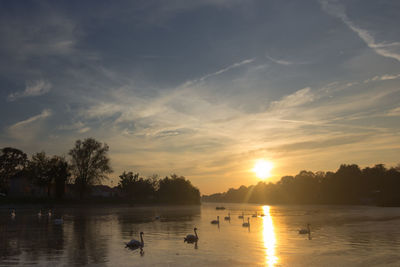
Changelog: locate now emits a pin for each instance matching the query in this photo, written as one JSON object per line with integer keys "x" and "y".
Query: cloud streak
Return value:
{"x": 284, "y": 62}
{"x": 35, "y": 88}
{"x": 221, "y": 71}
{"x": 388, "y": 50}
{"x": 26, "y": 131}
{"x": 45, "y": 113}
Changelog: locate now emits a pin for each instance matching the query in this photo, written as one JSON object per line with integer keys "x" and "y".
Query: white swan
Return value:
{"x": 191, "y": 238}
{"x": 49, "y": 213}
{"x": 13, "y": 214}
{"x": 228, "y": 218}
{"x": 215, "y": 221}
{"x": 135, "y": 244}
{"x": 241, "y": 216}
{"x": 305, "y": 231}
{"x": 39, "y": 213}
{"x": 246, "y": 224}
{"x": 254, "y": 215}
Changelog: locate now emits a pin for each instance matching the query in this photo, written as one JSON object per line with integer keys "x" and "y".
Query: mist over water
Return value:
{"x": 340, "y": 236}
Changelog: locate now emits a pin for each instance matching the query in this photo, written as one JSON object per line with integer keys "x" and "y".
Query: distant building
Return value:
{"x": 70, "y": 191}
{"x": 21, "y": 186}
{"x": 102, "y": 191}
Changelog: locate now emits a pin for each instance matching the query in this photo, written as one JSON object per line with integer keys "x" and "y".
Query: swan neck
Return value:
{"x": 141, "y": 239}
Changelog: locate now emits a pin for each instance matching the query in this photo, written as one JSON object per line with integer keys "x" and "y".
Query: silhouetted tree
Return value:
{"x": 46, "y": 172}
{"x": 348, "y": 185}
{"x": 155, "y": 181}
{"x": 306, "y": 187}
{"x": 127, "y": 183}
{"x": 136, "y": 188}
{"x": 61, "y": 173}
{"x": 373, "y": 177}
{"x": 90, "y": 163}
{"x": 12, "y": 161}
{"x": 39, "y": 170}
{"x": 285, "y": 189}
{"x": 177, "y": 190}
{"x": 389, "y": 193}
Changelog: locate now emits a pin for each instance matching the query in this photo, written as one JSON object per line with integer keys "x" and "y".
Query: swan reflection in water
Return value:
{"x": 269, "y": 238}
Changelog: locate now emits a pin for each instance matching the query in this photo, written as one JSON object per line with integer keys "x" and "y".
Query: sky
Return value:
{"x": 204, "y": 88}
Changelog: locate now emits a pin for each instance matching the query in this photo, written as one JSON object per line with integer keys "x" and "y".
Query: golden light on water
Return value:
{"x": 269, "y": 238}
{"x": 263, "y": 168}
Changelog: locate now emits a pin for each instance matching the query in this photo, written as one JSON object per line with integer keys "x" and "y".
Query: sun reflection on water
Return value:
{"x": 269, "y": 238}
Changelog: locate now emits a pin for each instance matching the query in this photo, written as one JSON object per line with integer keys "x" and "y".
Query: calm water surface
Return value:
{"x": 341, "y": 236}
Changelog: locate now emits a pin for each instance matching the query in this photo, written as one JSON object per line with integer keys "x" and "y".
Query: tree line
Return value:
{"x": 171, "y": 190}
{"x": 87, "y": 165}
{"x": 349, "y": 185}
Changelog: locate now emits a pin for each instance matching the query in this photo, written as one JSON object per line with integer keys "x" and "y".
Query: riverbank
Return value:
{"x": 99, "y": 201}
{"x": 370, "y": 204}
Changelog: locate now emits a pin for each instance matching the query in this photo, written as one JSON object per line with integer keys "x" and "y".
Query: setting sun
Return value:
{"x": 263, "y": 168}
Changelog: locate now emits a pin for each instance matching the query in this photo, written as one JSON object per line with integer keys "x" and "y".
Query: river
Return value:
{"x": 96, "y": 236}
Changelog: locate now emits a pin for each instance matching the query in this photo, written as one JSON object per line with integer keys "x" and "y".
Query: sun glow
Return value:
{"x": 263, "y": 168}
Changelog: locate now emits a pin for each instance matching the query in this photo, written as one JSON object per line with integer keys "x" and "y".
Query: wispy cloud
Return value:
{"x": 28, "y": 130}
{"x": 298, "y": 98}
{"x": 35, "y": 88}
{"x": 394, "y": 112}
{"x": 101, "y": 110}
{"x": 386, "y": 77}
{"x": 73, "y": 126}
{"x": 284, "y": 62}
{"x": 45, "y": 113}
{"x": 322, "y": 143}
{"x": 84, "y": 130}
{"x": 385, "y": 49}
{"x": 78, "y": 127}
{"x": 383, "y": 77}
{"x": 233, "y": 66}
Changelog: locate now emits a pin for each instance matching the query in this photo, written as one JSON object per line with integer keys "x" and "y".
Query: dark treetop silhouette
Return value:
{"x": 12, "y": 161}
{"x": 89, "y": 163}
{"x": 348, "y": 185}
{"x": 44, "y": 177}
